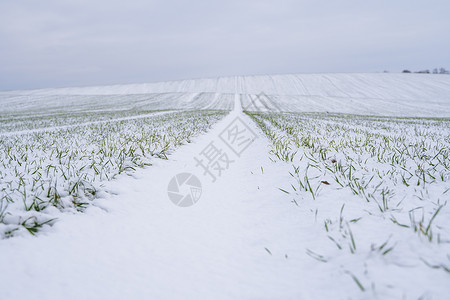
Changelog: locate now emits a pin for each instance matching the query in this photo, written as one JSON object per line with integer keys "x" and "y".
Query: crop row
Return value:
{"x": 359, "y": 176}
{"x": 64, "y": 168}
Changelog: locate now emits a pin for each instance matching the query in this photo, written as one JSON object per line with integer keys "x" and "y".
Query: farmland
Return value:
{"x": 378, "y": 188}
{"x": 63, "y": 167}
{"x": 340, "y": 192}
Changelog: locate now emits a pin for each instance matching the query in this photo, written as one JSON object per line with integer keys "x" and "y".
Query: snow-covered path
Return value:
{"x": 241, "y": 240}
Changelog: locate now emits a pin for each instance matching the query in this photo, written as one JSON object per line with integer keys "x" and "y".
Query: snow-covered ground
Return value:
{"x": 63, "y": 167}
{"x": 289, "y": 209}
{"x": 380, "y": 94}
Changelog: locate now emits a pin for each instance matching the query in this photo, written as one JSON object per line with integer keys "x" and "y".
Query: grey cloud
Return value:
{"x": 53, "y": 43}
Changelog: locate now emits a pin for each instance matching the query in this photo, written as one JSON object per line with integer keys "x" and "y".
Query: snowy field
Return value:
{"x": 321, "y": 186}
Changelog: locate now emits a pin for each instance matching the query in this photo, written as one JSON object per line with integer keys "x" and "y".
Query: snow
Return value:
{"x": 244, "y": 238}
{"x": 53, "y": 128}
{"x": 374, "y": 94}
{"x": 25, "y": 105}
{"x": 140, "y": 245}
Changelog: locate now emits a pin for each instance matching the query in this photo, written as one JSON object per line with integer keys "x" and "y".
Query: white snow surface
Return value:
{"x": 372, "y": 93}
{"x": 136, "y": 244}
{"x": 244, "y": 239}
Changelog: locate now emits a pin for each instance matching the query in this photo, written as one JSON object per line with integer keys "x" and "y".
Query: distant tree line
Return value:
{"x": 434, "y": 71}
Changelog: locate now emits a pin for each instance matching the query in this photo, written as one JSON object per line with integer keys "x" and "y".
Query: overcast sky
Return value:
{"x": 54, "y": 43}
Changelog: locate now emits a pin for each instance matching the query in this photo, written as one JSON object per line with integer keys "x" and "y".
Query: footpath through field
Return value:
{"x": 242, "y": 239}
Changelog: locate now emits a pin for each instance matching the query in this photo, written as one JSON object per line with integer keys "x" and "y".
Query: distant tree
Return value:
{"x": 434, "y": 71}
